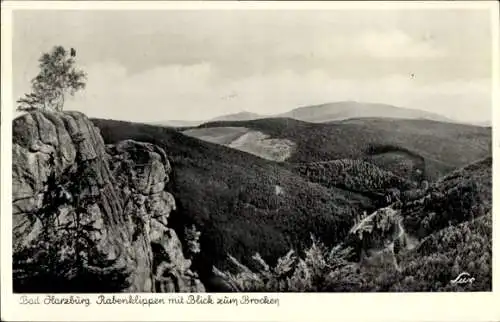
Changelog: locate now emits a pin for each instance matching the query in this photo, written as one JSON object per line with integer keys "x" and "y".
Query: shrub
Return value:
{"x": 312, "y": 272}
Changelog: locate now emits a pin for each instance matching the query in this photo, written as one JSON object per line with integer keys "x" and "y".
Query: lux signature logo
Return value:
{"x": 463, "y": 278}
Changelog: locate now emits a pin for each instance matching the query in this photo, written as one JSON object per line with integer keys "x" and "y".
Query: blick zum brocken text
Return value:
{"x": 148, "y": 301}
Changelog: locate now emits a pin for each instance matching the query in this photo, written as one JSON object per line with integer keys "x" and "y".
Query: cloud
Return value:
{"x": 242, "y": 43}
{"x": 199, "y": 64}
{"x": 194, "y": 92}
{"x": 396, "y": 44}
{"x": 165, "y": 92}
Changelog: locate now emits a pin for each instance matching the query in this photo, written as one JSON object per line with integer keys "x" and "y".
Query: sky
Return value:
{"x": 196, "y": 65}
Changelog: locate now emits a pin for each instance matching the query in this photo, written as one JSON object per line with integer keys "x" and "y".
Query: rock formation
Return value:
{"x": 379, "y": 235}
{"x": 101, "y": 210}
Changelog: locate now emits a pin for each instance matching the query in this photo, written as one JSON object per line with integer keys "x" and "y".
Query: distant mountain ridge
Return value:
{"x": 177, "y": 123}
{"x": 350, "y": 109}
{"x": 324, "y": 113}
{"x": 241, "y": 116}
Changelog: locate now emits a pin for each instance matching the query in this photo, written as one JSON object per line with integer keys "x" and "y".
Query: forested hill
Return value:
{"x": 425, "y": 242}
{"x": 244, "y": 204}
{"x": 436, "y": 147}
{"x": 241, "y": 203}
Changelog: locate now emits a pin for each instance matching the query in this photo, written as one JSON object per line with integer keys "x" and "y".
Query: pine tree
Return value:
{"x": 57, "y": 78}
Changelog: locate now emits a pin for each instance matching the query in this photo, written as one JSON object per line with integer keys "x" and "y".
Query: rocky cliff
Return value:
{"x": 91, "y": 216}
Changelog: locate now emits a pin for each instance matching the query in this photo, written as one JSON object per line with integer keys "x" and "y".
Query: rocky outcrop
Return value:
{"x": 141, "y": 171}
{"x": 379, "y": 229}
{"x": 380, "y": 236}
{"x": 102, "y": 209}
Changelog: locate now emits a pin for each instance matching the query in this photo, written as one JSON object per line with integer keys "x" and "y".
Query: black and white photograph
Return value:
{"x": 252, "y": 151}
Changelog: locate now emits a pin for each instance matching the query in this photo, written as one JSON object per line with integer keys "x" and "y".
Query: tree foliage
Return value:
{"x": 359, "y": 176}
{"x": 57, "y": 78}
{"x": 192, "y": 240}
{"x": 431, "y": 266}
{"x": 316, "y": 269}
{"x": 462, "y": 195}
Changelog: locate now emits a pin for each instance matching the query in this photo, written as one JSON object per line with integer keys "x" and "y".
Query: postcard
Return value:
{"x": 249, "y": 161}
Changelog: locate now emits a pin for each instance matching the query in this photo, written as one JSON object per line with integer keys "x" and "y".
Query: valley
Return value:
{"x": 335, "y": 172}
{"x": 262, "y": 205}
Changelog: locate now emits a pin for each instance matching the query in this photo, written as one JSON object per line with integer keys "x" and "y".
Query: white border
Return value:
{"x": 247, "y": 5}
{"x": 293, "y": 307}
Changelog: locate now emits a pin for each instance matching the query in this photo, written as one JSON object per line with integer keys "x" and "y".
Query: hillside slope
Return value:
{"x": 384, "y": 252}
{"x": 452, "y": 199}
{"x": 453, "y": 220}
{"x": 359, "y": 176}
{"x": 247, "y": 140}
{"x": 449, "y": 227}
{"x": 420, "y": 149}
{"x": 241, "y": 203}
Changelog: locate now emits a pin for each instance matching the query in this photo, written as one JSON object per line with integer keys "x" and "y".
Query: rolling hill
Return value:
{"x": 418, "y": 149}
